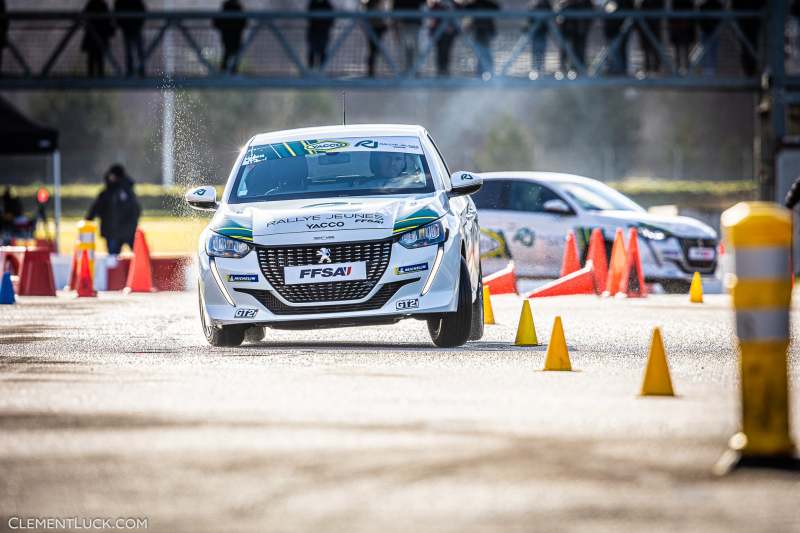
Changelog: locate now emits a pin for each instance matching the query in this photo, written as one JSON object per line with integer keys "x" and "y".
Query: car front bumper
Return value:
{"x": 669, "y": 259}
{"x": 237, "y": 291}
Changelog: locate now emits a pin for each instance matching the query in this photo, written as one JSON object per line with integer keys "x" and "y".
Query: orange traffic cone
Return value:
{"x": 140, "y": 276}
{"x": 616, "y": 266}
{"x": 597, "y": 255}
{"x": 632, "y": 284}
{"x": 570, "y": 263}
{"x": 503, "y": 281}
{"x": 85, "y": 284}
{"x": 579, "y": 282}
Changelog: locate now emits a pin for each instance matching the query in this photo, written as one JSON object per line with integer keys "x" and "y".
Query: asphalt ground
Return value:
{"x": 116, "y": 407}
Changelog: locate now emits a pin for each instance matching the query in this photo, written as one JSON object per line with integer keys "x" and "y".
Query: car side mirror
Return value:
{"x": 464, "y": 183}
{"x": 557, "y": 207}
{"x": 202, "y": 198}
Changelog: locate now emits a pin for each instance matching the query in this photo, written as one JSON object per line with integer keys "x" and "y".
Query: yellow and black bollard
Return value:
{"x": 759, "y": 236}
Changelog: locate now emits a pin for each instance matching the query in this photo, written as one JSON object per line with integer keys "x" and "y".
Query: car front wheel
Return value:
{"x": 219, "y": 336}
{"x": 453, "y": 329}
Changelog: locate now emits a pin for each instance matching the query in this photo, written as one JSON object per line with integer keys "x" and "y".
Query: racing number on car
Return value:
{"x": 245, "y": 313}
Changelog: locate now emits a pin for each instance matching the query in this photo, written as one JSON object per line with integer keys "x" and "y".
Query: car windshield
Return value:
{"x": 332, "y": 167}
{"x": 598, "y": 197}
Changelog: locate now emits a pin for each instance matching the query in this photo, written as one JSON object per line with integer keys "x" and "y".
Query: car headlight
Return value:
{"x": 433, "y": 233}
{"x": 220, "y": 246}
{"x": 652, "y": 233}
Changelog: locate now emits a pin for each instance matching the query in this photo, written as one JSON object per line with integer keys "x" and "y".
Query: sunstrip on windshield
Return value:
{"x": 282, "y": 150}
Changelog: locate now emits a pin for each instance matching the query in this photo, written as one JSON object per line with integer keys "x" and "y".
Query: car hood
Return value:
{"x": 321, "y": 220}
{"x": 679, "y": 226}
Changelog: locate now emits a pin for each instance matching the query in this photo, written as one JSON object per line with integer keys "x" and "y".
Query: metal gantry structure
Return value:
{"x": 734, "y": 51}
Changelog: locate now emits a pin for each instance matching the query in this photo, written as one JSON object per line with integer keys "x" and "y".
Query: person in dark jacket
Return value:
{"x": 118, "y": 210}
{"x": 231, "y": 31}
{"x": 444, "y": 44}
{"x": 710, "y": 42}
{"x": 96, "y": 37}
{"x": 612, "y": 30}
{"x": 484, "y": 31}
{"x": 3, "y": 33}
{"x": 408, "y": 30}
{"x": 132, "y": 34}
{"x": 751, "y": 29}
{"x": 378, "y": 26}
{"x": 575, "y": 33}
{"x": 539, "y": 35}
{"x": 652, "y": 60}
{"x": 681, "y": 34}
{"x": 318, "y": 33}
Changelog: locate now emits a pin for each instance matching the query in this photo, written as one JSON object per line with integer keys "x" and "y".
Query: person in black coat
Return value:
{"x": 378, "y": 26}
{"x": 575, "y": 33}
{"x": 132, "y": 34}
{"x": 484, "y": 31}
{"x": 231, "y": 31}
{"x": 652, "y": 60}
{"x": 751, "y": 29}
{"x": 407, "y": 30}
{"x": 681, "y": 34}
{"x": 612, "y": 27}
{"x": 447, "y": 36}
{"x": 3, "y": 33}
{"x": 118, "y": 210}
{"x": 318, "y": 33}
{"x": 96, "y": 37}
{"x": 539, "y": 35}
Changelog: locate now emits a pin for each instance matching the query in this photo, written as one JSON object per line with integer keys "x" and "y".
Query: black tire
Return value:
{"x": 675, "y": 286}
{"x": 453, "y": 329}
{"x": 476, "y": 331}
{"x": 219, "y": 336}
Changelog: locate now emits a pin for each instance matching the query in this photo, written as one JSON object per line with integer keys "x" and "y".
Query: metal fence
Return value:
{"x": 184, "y": 49}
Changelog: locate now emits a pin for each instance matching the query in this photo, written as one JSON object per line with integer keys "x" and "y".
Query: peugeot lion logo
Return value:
{"x": 324, "y": 255}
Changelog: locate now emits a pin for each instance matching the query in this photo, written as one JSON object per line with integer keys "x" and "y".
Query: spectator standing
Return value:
{"x": 612, "y": 29}
{"x": 318, "y": 34}
{"x": 96, "y": 37}
{"x": 484, "y": 31}
{"x": 681, "y": 34}
{"x": 751, "y": 29}
{"x": 539, "y": 35}
{"x": 378, "y": 26}
{"x": 652, "y": 59}
{"x": 709, "y": 41}
{"x": 131, "y": 28}
{"x": 408, "y": 30}
{"x": 575, "y": 33}
{"x": 118, "y": 210}
{"x": 231, "y": 31}
{"x": 3, "y": 33}
{"x": 444, "y": 45}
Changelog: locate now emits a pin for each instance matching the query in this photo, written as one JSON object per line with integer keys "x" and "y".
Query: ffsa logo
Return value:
{"x": 327, "y": 272}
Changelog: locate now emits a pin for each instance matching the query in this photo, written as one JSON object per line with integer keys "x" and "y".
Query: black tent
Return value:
{"x": 21, "y": 136}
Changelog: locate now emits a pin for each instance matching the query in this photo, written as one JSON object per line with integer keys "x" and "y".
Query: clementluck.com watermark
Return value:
{"x": 20, "y": 523}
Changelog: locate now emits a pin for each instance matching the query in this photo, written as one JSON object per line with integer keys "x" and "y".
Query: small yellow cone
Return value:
{"x": 488, "y": 312}
{"x": 557, "y": 354}
{"x": 526, "y": 331}
{"x": 696, "y": 289}
{"x": 656, "y": 377}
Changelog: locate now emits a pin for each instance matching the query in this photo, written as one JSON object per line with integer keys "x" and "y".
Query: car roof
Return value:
{"x": 545, "y": 177}
{"x": 355, "y": 130}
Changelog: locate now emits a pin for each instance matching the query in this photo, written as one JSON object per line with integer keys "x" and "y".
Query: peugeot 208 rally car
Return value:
{"x": 340, "y": 226}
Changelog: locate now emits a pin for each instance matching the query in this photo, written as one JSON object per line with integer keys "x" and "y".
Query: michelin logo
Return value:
{"x": 409, "y": 269}
{"x": 243, "y": 278}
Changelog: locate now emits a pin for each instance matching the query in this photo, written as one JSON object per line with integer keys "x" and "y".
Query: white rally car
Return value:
{"x": 526, "y": 215}
{"x": 340, "y": 226}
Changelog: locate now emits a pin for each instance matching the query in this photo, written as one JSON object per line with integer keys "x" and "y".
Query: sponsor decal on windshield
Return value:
{"x": 258, "y": 154}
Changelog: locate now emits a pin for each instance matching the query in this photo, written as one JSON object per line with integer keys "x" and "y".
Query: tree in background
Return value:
{"x": 507, "y": 146}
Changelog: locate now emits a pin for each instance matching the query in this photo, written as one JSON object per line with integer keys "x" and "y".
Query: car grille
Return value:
{"x": 376, "y": 254}
{"x": 275, "y": 306}
{"x": 699, "y": 265}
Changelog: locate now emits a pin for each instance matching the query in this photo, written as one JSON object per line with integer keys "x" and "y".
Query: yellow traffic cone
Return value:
{"x": 557, "y": 354}
{"x": 488, "y": 313}
{"x": 696, "y": 289}
{"x": 656, "y": 377}
{"x": 526, "y": 331}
